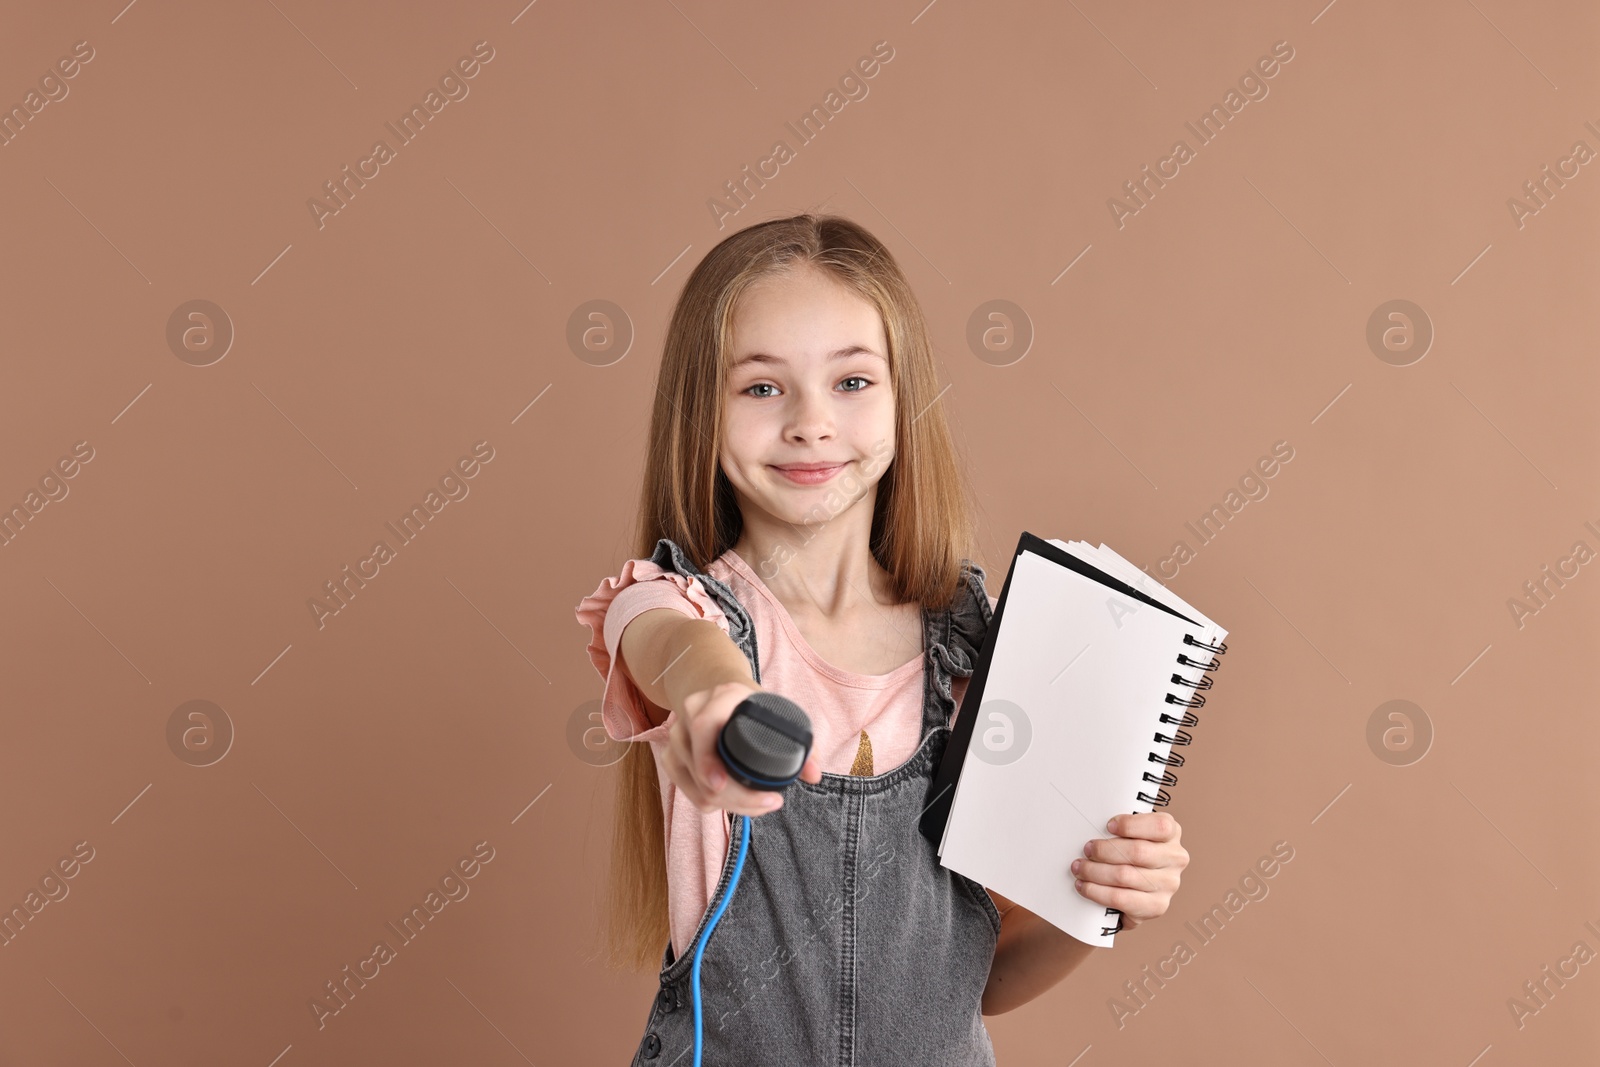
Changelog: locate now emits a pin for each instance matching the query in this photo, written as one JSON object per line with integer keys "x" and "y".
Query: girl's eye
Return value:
{"x": 853, "y": 378}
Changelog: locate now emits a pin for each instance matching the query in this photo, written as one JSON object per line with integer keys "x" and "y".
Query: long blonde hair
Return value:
{"x": 922, "y": 527}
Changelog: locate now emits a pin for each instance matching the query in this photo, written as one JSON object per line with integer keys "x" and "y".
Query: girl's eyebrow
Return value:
{"x": 843, "y": 353}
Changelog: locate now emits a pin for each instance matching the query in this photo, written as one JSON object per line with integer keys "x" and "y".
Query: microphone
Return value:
{"x": 765, "y": 741}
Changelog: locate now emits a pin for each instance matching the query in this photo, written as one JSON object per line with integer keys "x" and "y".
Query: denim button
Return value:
{"x": 668, "y": 998}
{"x": 652, "y": 1046}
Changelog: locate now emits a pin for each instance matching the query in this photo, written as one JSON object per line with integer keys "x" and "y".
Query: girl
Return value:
{"x": 804, "y": 528}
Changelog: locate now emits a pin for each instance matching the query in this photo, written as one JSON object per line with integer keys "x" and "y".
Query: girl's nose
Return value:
{"x": 810, "y": 417}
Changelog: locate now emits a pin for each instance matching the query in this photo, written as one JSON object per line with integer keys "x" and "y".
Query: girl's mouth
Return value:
{"x": 816, "y": 477}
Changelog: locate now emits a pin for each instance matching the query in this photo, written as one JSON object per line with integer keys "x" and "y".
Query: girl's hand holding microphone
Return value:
{"x": 695, "y": 763}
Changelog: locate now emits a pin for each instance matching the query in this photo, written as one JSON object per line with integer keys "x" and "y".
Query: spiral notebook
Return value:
{"x": 1088, "y": 679}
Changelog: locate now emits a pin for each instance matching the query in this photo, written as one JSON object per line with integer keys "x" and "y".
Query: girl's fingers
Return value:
{"x": 1149, "y": 825}
{"x": 681, "y": 778}
{"x": 731, "y": 797}
{"x": 1124, "y": 875}
{"x": 1132, "y": 903}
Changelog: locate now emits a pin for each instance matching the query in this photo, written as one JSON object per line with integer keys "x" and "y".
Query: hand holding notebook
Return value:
{"x": 1085, "y": 684}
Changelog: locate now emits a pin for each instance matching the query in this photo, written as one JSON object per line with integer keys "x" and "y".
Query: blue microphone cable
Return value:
{"x": 699, "y": 949}
{"x": 764, "y": 745}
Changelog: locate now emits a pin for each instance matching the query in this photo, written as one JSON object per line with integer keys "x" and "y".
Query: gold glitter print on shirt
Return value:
{"x": 863, "y": 763}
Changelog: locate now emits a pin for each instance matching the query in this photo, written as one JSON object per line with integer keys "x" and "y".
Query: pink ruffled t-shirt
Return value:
{"x": 861, "y": 723}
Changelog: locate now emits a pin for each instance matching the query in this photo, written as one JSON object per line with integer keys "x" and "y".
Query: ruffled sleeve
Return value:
{"x": 968, "y": 630}
{"x": 642, "y": 585}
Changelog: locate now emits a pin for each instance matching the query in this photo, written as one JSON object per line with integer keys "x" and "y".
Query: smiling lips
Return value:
{"x": 809, "y": 473}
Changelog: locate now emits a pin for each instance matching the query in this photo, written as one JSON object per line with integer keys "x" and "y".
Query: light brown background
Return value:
{"x": 429, "y": 314}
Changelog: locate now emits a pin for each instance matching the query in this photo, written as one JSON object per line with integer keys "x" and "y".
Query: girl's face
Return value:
{"x": 808, "y": 384}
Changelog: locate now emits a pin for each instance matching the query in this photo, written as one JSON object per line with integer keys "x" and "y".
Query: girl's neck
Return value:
{"x": 829, "y": 572}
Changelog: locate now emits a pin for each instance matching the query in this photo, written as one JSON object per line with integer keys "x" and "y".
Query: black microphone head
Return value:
{"x": 766, "y": 741}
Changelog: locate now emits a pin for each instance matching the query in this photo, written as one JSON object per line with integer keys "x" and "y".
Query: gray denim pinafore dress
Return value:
{"x": 845, "y": 942}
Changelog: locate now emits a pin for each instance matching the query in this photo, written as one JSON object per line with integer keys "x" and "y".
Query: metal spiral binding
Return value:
{"x": 1179, "y": 736}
